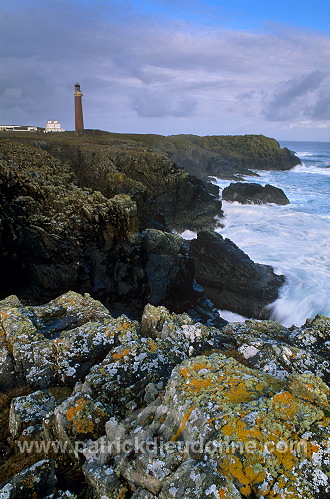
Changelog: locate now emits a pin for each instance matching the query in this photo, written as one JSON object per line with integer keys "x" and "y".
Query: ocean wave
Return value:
{"x": 318, "y": 170}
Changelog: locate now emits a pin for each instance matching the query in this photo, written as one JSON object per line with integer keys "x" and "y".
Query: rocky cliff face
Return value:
{"x": 57, "y": 236}
{"x": 222, "y": 156}
{"x": 163, "y": 192}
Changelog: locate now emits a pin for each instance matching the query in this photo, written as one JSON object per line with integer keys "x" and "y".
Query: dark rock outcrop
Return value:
{"x": 164, "y": 194}
{"x": 57, "y": 236}
{"x": 252, "y": 193}
{"x": 230, "y": 278}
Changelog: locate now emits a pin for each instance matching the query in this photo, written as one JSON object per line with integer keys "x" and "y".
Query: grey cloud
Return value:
{"x": 296, "y": 97}
{"x": 321, "y": 108}
{"x": 131, "y": 68}
{"x": 151, "y": 104}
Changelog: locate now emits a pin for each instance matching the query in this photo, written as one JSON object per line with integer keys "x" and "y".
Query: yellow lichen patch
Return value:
{"x": 312, "y": 448}
{"x": 287, "y": 460}
{"x": 238, "y": 428}
{"x": 182, "y": 425}
{"x": 285, "y": 403}
{"x": 248, "y": 474}
{"x": 184, "y": 372}
{"x": 246, "y": 490}
{"x": 117, "y": 357}
{"x": 152, "y": 345}
{"x": 222, "y": 494}
{"x": 198, "y": 384}
{"x": 233, "y": 467}
{"x": 74, "y": 414}
{"x": 239, "y": 392}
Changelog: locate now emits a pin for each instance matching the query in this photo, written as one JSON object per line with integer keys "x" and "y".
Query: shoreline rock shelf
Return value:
{"x": 165, "y": 407}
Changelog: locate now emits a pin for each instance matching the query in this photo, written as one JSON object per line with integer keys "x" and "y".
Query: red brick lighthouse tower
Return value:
{"x": 78, "y": 113}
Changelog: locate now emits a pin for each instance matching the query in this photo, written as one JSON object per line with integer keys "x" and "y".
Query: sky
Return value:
{"x": 169, "y": 66}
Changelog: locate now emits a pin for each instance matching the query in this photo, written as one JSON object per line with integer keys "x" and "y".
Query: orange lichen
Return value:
{"x": 152, "y": 345}
{"x": 198, "y": 384}
{"x": 122, "y": 493}
{"x": 285, "y": 402}
{"x": 81, "y": 424}
{"x": 312, "y": 448}
{"x": 246, "y": 490}
{"x": 182, "y": 425}
{"x": 184, "y": 372}
{"x": 117, "y": 357}
{"x": 244, "y": 434}
{"x": 238, "y": 391}
{"x": 247, "y": 475}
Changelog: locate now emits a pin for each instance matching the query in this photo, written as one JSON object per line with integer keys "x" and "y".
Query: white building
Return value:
{"x": 53, "y": 126}
{"x": 18, "y": 128}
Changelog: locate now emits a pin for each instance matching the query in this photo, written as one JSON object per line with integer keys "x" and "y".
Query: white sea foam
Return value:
{"x": 188, "y": 235}
{"x": 231, "y": 316}
{"x": 294, "y": 239}
{"x": 315, "y": 170}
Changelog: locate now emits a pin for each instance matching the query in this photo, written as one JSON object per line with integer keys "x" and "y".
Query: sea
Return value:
{"x": 294, "y": 239}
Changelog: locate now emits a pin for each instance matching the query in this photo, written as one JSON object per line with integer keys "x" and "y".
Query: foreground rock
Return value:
{"x": 58, "y": 343}
{"x": 230, "y": 278}
{"x": 165, "y": 407}
{"x": 251, "y": 193}
{"x": 234, "y": 430}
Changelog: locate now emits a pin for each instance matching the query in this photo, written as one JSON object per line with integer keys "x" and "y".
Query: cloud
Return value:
{"x": 136, "y": 69}
{"x": 157, "y": 104}
{"x": 309, "y": 124}
{"x": 300, "y": 96}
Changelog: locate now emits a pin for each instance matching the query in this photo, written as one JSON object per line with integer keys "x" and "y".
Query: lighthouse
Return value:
{"x": 78, "y": 113}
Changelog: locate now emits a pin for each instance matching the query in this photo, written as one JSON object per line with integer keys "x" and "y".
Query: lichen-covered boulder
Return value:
{"x": 120, "y": 380}
{"x": 57, "y": 342}
{"x": 37, "y": 481}
{"x": 33, "y": 354}
{"x": 29, "y": 411}
{"x": 267, "y": 436}
{"x": 273, "y": 349}
{"x": 182, "y": 332}
{"x": 104, "y": 482}
{"x": 76, "y": 420}
{"x": 134, "y": 371}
